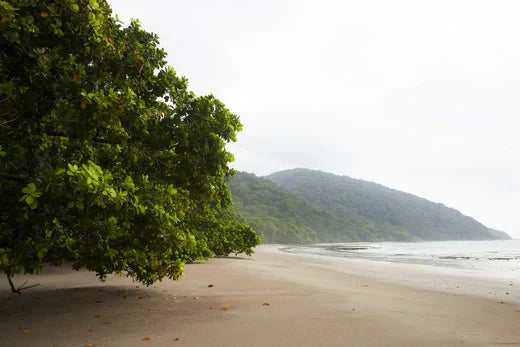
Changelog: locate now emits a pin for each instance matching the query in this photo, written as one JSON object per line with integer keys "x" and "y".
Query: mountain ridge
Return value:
{"x": 323, "y": 207}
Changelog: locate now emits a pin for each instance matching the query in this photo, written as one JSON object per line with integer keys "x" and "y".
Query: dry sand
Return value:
{"x": 270, "y": 299}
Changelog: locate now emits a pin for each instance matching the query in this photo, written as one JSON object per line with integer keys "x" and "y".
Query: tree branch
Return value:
{"x": 20, "y": 288}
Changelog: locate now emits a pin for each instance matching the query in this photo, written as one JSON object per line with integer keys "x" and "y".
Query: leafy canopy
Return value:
{"x": 106, "y": 159}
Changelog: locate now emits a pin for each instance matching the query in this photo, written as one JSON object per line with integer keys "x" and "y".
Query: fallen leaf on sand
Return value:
{"x": 224, "y": 308}
{"x": 140, "y": 297}
{"x": 146, "y": 339}
{"x": 89, "y": 345}
{"x": 266, "y": 304}
{"x": 26, "y": 331}
{"x": 211, "y": 308}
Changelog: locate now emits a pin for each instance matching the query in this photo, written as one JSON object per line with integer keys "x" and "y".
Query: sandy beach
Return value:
{"x": 269, "y": 299}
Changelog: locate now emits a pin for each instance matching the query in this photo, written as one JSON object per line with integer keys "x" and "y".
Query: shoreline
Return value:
{"x": 272, "y": 298}
{"x": 421, "y": 276}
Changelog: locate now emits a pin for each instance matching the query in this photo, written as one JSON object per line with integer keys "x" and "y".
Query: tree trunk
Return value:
{"x": 13, "y": 289}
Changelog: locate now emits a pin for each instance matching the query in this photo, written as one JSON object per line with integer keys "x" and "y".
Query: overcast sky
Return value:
{"x": 420, "y": 96}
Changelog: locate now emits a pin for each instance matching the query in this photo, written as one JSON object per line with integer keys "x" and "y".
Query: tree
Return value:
{"x": 103, "y": 150}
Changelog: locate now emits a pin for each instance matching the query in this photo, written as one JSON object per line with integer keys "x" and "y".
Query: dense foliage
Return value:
{"x": 333, "y": 208}
{"x": 107, "y": 160}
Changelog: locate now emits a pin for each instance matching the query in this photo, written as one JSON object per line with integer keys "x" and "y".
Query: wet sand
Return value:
{"x": 270, "y": 299}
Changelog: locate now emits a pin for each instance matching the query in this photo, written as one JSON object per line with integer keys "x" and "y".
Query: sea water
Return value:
{"x": 491, "y": 259}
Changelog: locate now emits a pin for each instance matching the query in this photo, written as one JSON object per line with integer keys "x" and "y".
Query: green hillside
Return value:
{"x": 278, "y": 215}
{"x": 300, "y": 205}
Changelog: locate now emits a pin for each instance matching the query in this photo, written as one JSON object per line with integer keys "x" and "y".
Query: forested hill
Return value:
{"x": 303, "y": 205}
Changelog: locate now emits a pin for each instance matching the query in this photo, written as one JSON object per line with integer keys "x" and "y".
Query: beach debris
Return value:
{"x": 224, "y": 308}
{"x": 452, "y": 257}
{"x": 354, "y": 309}
{"x": 159, "y": 337}
{"x": 211, "y": 307}
{"x": 176, "y": 339}
{"x": 146, "y": 339}
{"x": 266, "y": 304}
{"x": 89, "y": 345}
{"x": 210, "y": 285}
{"x": 27, "y": 331}
{"x": 196, "y": 298}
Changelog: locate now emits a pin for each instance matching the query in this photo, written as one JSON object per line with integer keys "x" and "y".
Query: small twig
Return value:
{"x": 24, "y": 288}
{"x": 10, "y": 113}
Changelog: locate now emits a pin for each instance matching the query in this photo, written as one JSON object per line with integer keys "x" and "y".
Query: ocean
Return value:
{"x": 488, "y": 259}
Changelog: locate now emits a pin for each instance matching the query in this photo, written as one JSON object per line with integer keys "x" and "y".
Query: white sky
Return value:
{"x": 420, "y": 96}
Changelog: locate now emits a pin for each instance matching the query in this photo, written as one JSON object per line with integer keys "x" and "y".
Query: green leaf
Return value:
{"x": 93, "y": 4}
{"x": 33, "y": 205}
{"x": 31, "y": 187}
